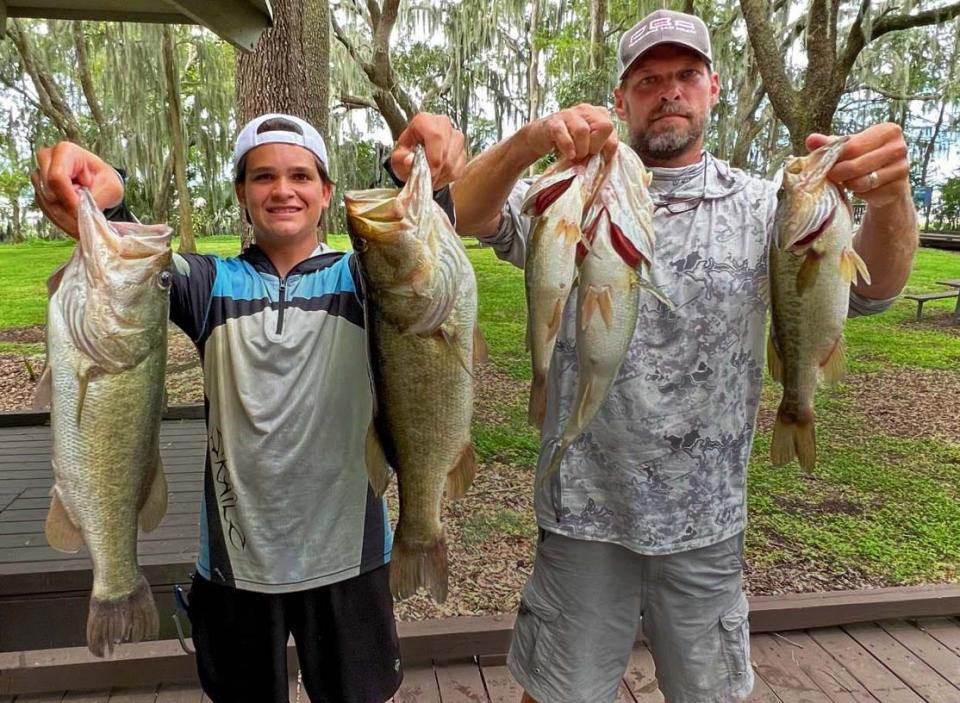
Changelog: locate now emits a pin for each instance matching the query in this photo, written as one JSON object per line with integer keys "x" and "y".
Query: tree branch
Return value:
{"x": 894, "y": 23}
{"x": 777, "y": 84}
{"x": 86, "y": 80}
{"x": 895, "y": 96}
{"x": 51, "y": 100}
{"x": 357, "y": 102}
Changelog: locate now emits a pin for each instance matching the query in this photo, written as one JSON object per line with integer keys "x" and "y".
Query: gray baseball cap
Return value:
{"x": 663, "y": 27}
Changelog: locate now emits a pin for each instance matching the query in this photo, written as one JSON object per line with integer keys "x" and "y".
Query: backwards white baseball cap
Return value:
{"x": 309, "y": 138}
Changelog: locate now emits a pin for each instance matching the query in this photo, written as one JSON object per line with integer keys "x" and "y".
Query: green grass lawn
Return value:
{"x": 882, "y": 505}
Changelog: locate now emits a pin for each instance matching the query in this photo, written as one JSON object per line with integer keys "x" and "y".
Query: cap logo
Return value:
{"x": 659, "y": 24}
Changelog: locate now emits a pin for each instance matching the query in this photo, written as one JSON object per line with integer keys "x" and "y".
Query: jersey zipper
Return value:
{"x": 283, "y": 289}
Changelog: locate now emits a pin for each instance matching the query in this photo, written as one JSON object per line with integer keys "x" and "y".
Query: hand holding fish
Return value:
{"x": 873, "y": 164}
{"x": 61, "y": 171}
{"x": 442, "y": 144}
{"x": 575, "y": 133}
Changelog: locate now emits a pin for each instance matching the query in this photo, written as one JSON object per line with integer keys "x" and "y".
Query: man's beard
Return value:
{"x": 668, "y": 144}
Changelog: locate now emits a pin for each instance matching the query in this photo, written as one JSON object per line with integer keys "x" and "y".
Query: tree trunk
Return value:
{"x": 161, "y": 201}
{"x": 829, "y": 60}
{"x": 928, "y": 151}
{"x": 187, "y": 243}
{"x": 86, "y": 83}
{"x": 15, "y": 219}
{"x": 598, "y": 20}
{"x": 283, "y": 73}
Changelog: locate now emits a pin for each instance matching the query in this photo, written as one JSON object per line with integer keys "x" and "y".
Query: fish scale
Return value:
{"x": 812, "y": 265}
{"x": 106, "y": 357}
{"x": 421, "y": 309}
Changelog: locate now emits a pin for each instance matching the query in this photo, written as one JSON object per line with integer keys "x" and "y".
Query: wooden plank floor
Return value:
{"x": 26, "y": 477}
{"x": 895, "y": 661}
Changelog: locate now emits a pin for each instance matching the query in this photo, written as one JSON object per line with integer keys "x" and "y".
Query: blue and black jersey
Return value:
{"x": 287, "y": 505}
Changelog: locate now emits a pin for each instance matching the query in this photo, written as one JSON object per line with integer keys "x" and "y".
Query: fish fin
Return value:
{"x": 606, "y": 306}
{"x": 155, "y": 505}
{"x": 656, "y": 292}
{"x": 461, "y": 475}
{"x": 378, "y": 469}
{"x": 793, "y": 438}
{"x": 581, "y": 406}
{"x": 62, "y": 532}
{"x": 834, "y": 366}
{"x": 451, "y": 341}
{"x": 807, "y": 274}
{"x": 43, "y": 394}
{"x": 53, "y": 283}
{"x": 414, "y": 566}
{"x": 481, "y": 352}
{"x": 537, "y": 408}
{"x": 774, "y": 362}
{"x": 852, "y": 257}
{"x": 570, "y": 232}
{"x": 848, "y": 268}
{"x": 130, "y": 619}
{"x": 591, "y": 303}
{"x": 553, "y": 326}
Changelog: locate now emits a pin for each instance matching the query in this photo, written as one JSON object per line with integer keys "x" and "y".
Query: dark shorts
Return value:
{"x": 345, "y": 634}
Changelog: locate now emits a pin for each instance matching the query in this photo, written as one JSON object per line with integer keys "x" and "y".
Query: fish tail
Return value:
{"x": 793, "y": 437}
{"x": 133, "y": 618}
{"x": 538, "y": 400}
{"x": 414, "y": 566}
{"x": 559, "y": 449}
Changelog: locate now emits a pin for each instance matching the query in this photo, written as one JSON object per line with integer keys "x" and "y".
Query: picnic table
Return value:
{"x": 954, "y": 283}
{"x": 922, "y": 298}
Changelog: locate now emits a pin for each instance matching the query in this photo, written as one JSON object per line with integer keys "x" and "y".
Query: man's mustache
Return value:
{"x": 671, "y": 109}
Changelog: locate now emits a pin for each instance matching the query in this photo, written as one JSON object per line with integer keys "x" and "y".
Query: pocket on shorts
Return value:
{"x": 536, "y": 631}
{"x": 735, "y": 642}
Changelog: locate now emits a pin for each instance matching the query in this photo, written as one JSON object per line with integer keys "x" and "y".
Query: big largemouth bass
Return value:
{"x": 421, "y": 312}
{"x": 556, "y": 202}
{"x": 613, "y": 272}
{"x": 106, "y": 356}
{"x": 812, "y": 265}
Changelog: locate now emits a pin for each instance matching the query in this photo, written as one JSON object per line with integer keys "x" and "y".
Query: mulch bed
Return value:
{"x": 487, "y": 573}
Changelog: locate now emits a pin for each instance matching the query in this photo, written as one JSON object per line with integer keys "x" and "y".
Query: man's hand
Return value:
{"x": 575, "y": 133}
{"x": 873, "y": 164}
{"x": 442, "y": 144}
{"x": 64, "y": 168}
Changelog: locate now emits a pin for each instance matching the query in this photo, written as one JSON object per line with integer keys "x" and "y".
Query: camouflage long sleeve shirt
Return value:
{"x": 662, "y": 467}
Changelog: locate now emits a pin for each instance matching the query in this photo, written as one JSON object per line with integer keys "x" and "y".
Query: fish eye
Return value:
{"x": 359, "y": 245}
{"x": 164, "y": 279}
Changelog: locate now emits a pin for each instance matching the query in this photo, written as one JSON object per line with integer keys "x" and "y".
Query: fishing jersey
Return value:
{"x": 286, "y": 504}
{"x": 662, "y": 467}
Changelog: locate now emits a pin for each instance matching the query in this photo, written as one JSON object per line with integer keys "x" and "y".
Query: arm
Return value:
{"x": 480, "y": 193}
{"x": 888, "y": 235}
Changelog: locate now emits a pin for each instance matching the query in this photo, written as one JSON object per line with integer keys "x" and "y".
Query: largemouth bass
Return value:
{"x": 812, "y": 265}
{"x": 106, "y": 355}
{"x": 613, "y": 271}
{"x": 421, "y": 312}
{"x": 556, "y": 201}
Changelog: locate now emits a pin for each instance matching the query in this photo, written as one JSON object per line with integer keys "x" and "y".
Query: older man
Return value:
{"x": 644, "y": 521}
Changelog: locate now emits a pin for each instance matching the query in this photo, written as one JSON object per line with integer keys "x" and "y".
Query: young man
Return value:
{"x": 645, "y": 518}
{"x": 292, "y": 539}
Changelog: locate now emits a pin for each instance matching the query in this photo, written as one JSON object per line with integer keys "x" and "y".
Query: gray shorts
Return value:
{"x": 581, "y": 609}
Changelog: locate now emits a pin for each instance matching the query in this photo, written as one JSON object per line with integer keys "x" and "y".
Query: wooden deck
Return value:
{"x": 896, "y": 661}
{"x": 37, "y": 579}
